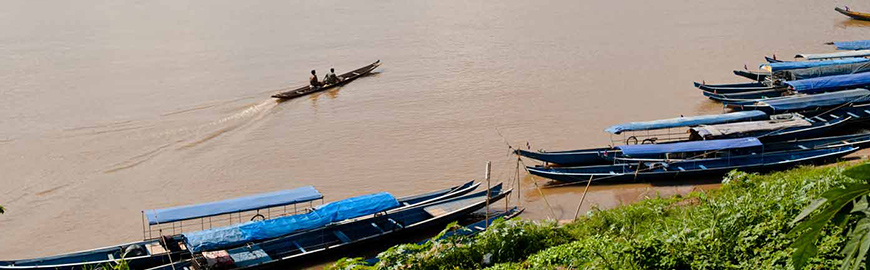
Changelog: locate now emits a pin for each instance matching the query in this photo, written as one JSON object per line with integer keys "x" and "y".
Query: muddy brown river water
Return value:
{"x": 108, "y": 108}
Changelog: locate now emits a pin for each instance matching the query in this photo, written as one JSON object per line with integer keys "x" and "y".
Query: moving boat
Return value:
{"x": 338, "y": 238}
{"x": 164, "y": 229}
{"x": 854, "y": 14}
{"x": 343, "y": 79}
{"x": 696, "y": 166}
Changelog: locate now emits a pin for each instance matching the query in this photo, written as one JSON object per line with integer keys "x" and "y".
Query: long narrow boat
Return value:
{"x": 854, "y": 14}
{"x": 852, "y": 45}
{"x": 748, "y": 95}
{"x": 836, "y": 55}
{"x": 804, "y": 103}
{"x": 773, "y": 60}
{"x": 830, "y": 83}
{"x": 158, "y": 248}
{"x": 644, "y": 170}
{"x": 344, "y": 79}
{"x": 736, "y": 87}
{"x": 779, "y": 66}
{"x": 291, "y": 250}
{"x": 777, "y": 137}
{"x": 752, "y": 75}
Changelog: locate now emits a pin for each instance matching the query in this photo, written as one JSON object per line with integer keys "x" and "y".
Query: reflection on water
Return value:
{"x": 852, "y": 23}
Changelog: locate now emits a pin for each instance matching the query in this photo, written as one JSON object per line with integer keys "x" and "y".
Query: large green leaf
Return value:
{"x": 856, "y": 245}
{"x": 809, "y": 230}
{"x": 807, "y": 211}
{"x": 860, "y": 172}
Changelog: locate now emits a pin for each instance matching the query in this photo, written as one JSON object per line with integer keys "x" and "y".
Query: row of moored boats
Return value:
{"x": 794, "y": 112}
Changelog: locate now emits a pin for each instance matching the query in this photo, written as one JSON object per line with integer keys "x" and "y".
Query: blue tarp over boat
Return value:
{"x": 830, "y": 83}
{"x": 239, "y": 234}
{"x": 819, "y": 56}
{"x": 277, "y": 198}
{"x": 694, "y": 146}
{"x": 853, "y": 45}
{"x": 773, "y": 67}
{"x": 819, "y": 100}
{"x": 688, "y": 121}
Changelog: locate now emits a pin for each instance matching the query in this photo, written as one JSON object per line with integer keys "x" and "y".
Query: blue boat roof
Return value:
{"x": 773, "y": 67}
{"x": 834, "y": 55}
{"x": 687, "y": 121}
{"x": 828, "y": 83}
{"x": 238, "y": 234}
{"x": 693, "y": 146}
{"x": 277, "y": 198}
{"x": 819, "y": 100}
{"x": 853, "y": 45}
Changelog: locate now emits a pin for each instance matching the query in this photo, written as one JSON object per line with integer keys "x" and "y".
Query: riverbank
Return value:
{"x": 742, "y": 225}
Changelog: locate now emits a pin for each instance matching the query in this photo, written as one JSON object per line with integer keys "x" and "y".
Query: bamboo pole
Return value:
{"x": 488, "y": 169}
{"x": 576, "y": 214}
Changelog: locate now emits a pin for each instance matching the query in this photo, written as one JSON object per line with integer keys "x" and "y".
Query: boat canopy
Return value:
{"x": 818, "y": 100}
{"x": 277, "y": 198}
{"x": 747, "y": 127}
{"x": 815, "y": 72}
{"x": 688, "y": 121}
{"x": 830, "y": 83}
{"x": 817, "y": 56}
{"x": 238, "y": 234}
{"x": 693, "y": 146}
{"x": 773, "y": 67}
{"x": 853, "y": 45}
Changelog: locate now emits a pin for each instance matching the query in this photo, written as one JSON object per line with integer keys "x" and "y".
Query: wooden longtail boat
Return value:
{"x": 343, "y": 79}
{"x": 854, "y": 14}
{"x": 291, "y": 250}
{"x": 645, "y": 170}
{"x": 157, "y": 249}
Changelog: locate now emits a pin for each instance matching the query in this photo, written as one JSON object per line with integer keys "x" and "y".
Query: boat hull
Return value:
{"x": 854, "y": 14}
{"x": 693, "y": 169}
{"x": 347, "y": 78}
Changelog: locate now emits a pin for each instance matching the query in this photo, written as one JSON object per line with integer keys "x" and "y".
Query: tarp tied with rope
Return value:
{"x": 773, "y": 67}
{"x": 819, "y": 100}
{"x": 749, "y": 127}
{"x": 683, "y": 147}
{"x": 687, "y": 121}
{"x": 853, "y": 45}
{"x": 830, "y": 83}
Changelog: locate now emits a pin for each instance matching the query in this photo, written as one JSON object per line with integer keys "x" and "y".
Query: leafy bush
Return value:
{"x": 743, "y": 225}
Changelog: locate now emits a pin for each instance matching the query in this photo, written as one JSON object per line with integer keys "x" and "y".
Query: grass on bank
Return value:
{"x": 743, "y": 225}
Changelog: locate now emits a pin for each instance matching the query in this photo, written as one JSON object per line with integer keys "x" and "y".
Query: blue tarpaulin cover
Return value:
{"x": 277, "y": 198}
{"x": 773, "y": 67}
{"x": 694, "y": 146}
{"x": 818, "y": 100}
{"x": 853, "y": 45}
{"x": 219, "y": 238}
{"x": 830, "y": 83}
{"x": 688, "y": 121}
{"x": 819, "y": 56}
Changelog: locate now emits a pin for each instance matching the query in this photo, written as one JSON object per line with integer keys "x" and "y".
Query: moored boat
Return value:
{"x": 343, "y": 79}
{"x": 736, "y": 87}
{"x": 339, "y": 238}
{"x": 752, "y": 75}
{"x": 646, "y": 170}
{"x": 164, "y": 229}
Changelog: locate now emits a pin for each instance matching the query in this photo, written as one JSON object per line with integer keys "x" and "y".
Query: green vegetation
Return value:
{"x": 746, "y": 224}
{"x": 845, "y": 208}
{"x": 2, "y": 210}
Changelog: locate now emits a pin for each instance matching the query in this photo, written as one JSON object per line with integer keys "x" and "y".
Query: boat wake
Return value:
{"x": 191, "y": 137}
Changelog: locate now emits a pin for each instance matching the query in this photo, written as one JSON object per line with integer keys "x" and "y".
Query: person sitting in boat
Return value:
{"x": 330, "y": 77}
{"x": 313, "y": 80}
